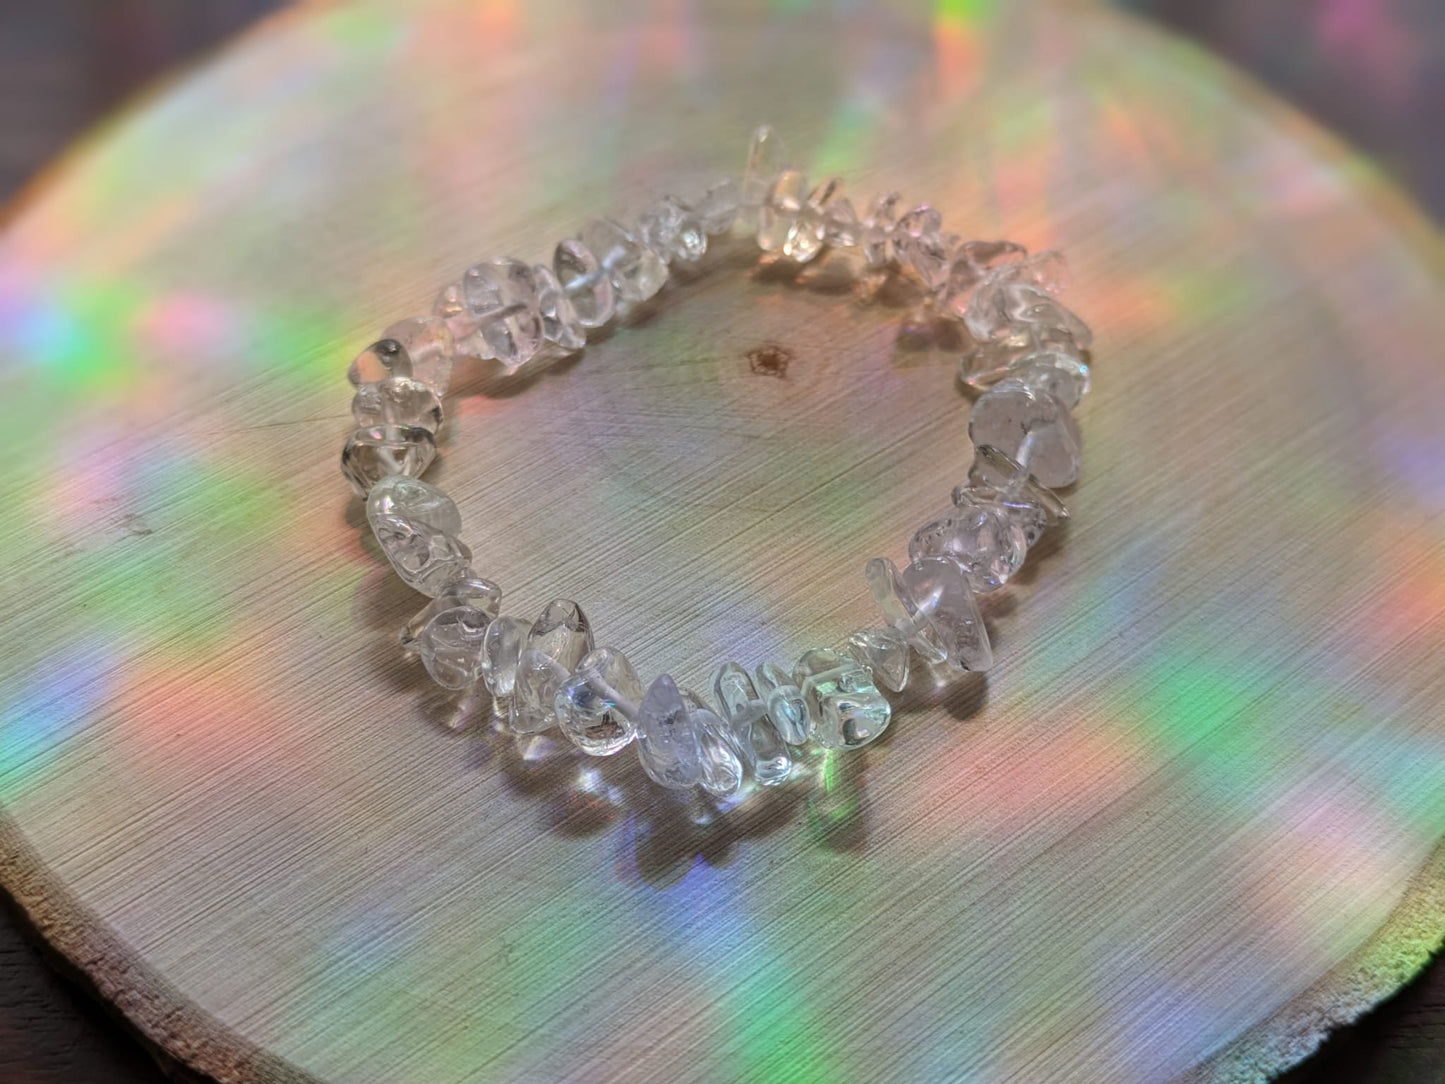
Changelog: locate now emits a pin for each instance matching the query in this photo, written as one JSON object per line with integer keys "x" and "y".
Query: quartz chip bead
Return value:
{"x": 674, "y": 231}
{"x": 421, "y": 347}
{"x": 741, "y": 708}
{"x": 501, "y": 299}
{"x": 766, "y": 159}
{"x": 634, "y": 269}
{"x": 598, "y": 704}
{"x": 846, "y": 707}
{"x": 986, "y": 541}
{"x": 668, "y": 743}
{"x": 1030, "y": 426}
{"x": 779, "y": 214}
{"x": 717, "y": 208}
{"x": 824, "y": 219}
{"x": 426, "y": 559}
{"x": 722, "y": 752}
{"x": 995, "y": 477}
{"x": 410, "y": 498}
{"x": 557, "y": 642}
{"x": 929, "y": 602}
{"x": 879, "y": 231}
{"x": 501, "y": 648}
{"x": 451, "y": 643}
{"x": 885, "y": 652}
{"x": 923, "y": 247}
{"x": 784, "y": 699}
{"x": 397, "y": 400}
{"x": 470, "y": 591}
{"x": 373, "y": 452}
{"x": 989, "y": 362}
{"x": 584, "y": 283}
{"x": 560, "y": 323}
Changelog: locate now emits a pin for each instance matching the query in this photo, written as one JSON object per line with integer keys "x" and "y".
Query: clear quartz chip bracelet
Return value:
{"x": 1029, "y": 364}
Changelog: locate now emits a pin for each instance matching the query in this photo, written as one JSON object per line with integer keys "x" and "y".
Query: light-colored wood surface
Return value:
{"x": 1186, "y": 823}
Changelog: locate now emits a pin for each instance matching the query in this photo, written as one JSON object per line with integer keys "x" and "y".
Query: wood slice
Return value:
{"x": 1190, "y": 820}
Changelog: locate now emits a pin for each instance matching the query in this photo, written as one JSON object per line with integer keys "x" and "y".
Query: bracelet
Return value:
{"x": 1029, "y": 362}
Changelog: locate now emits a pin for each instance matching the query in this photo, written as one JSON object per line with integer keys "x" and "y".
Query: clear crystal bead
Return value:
{"x": 722, "y": 754}
{"x": 809, "y": 232}
{"x": 557, "y": 642}
{"x": 766, "y": 159}
{"x": 397, "y": 400}
{"x": 674, "y": 231}
{"x": 598, "y": 704}
{"x": 995, "y": 477}
{"x": 989, "y": 362}
{"x": 929, "y": 602}
{"x": 584, "y": 282}
{"x": 635, "y": 270}
{"x": 878, "y": 232}
{"x": 784, "y": 700}
{"x": 427, "y": 559}
{"x": 450, "y": 646}
{"x": 1063, "y": 376}
{"x": 501, "y": 649}
{"x": 559, "y": 319}
{"x": 501, "y": 297}
{"x": 1021, "y": 293}
{"x": 1032, "y": 306}
{"x": 1031, "y": 427}
{"x": 778, "y": 215}
{"x": 841, "y": 228}
{"x": 471, "y": 591}
{"x": 745, "y": 712}
{"x": 668, "y": 743}
{"x": 923, "y": 247}
{"x": 718, "y": 206}
{"x": 885, "y": 652}
{"x": 374, "y": 452}
{"x": 846, "y": 707}
{"x": 988, "y": 543}
{"x": 452, "y": 310}
{"x": 410, "y": 498}
{"x": 421, "y": 347}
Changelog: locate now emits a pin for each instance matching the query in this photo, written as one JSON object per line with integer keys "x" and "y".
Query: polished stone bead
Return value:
{"x": 717, "y": 208}
{"x": 450, "y": 646}
{"x": 988, "y": 543}
{"x": 1031, "y": 427}
{"x": 558, "y": 640}
{"x": 501, "y": 649}
{"x": 846, "y": 708}
{"x": 598, "y": 704}
{"x": 1021, "y": 294}
{"x": 823, "y": 220}
{"x": 427, "y": 559}
{"x": 451, "y": 309}
{"x": 471, "y": 591}
{"x": 1031, "y": 306}
{"x": 989, "y": 362}
{"x": 374, "y": 452}
{"x": 885, "y": 652}
{"x": 1063, "y": 376}
{"x": 779, "y": 213}
{"x": 421, "y": 347}
{"x": 560, "y": 324}
{"x": 766, "y": 158}
{"x": 668, "y": 743}
{"x": 635, "y": 270}
{"x": 722, "y": 752}
{"x": 784, "y": 700}
{"x": 743, "y": 710}
{"x": 397, "y": 400}
{"x": 674, "y": 231}
{"x": 878, "y": 233}
{"x": 410, "y": 498}
{"x": 841, "y": 228}
{"x": 501, "y": 296}
{"x": 993, "y": 476}
{"x": 930, "y": 603}
{"x": 584, "y": 282}
{"x": 923, "y": 247}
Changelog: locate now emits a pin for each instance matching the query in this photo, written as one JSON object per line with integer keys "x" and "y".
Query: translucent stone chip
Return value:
{"x": 560, "y": 323}
{"x": 410, "y": 498}
{"x": 1031, "y": 427}
{"x": 450, "y": 646}
{"x": 929, "y": 602}
{"x": 846, "y": 707}
{"x": 598, "y": 704}
{"x": 722, "y": 754}
{"x": 786, "y": 708}
{"x": 923, "y": 247}
{"x": 993, "y": 476}
{"x": 986, "y": 541}
{"x": 779, "y": 213}
{"x": 879, "y": 232}
{"x": 669, "y": 745}
{"x": 501, "y": 649}
{"x": 766, "y": 159}
{"x": 635, "y": 270}
{"x": 989, "y": 362}
{"x": 427, "y": 559}
{"x": 763, "y": 749}
{"x": 374, "y": 452}
{"x": 584, "y": 282}
{"x": 1062, "y": 376}
{"x": 397, "y": 400}
{"x": 674, "y": 231}
{"x": 501, "y": 297}
{"x": 557, "y": 642}
{"x": 421, "y": 347}
{"x": 809, "y": 232}
{"x": 717, "y": 208}
{"x": 472, "y": 591}
{"x": 885, "y": 652}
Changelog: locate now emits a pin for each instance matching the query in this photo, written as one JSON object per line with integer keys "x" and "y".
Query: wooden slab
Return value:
{"x": 1191, "y": 820}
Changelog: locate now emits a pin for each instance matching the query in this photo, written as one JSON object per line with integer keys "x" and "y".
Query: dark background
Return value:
{"x": 1374, "y": 70}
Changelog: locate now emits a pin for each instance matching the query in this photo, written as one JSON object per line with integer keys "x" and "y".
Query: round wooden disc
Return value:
{"x": 1185, "y": 824}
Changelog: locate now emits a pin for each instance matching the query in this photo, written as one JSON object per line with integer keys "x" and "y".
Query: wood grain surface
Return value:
{"x": 1185, "y": 825}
